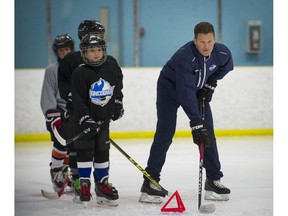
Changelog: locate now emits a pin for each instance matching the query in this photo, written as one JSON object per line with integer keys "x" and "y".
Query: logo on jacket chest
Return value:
{"x": 101, "y": 92}
{"x": 212, "y": 67}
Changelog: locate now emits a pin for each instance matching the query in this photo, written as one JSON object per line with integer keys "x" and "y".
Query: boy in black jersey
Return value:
{"x": 65, "y": 70}
{"x": 96, "y": 98}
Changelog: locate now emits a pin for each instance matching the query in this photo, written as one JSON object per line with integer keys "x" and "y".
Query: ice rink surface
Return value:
{"x": 247, "y": 164}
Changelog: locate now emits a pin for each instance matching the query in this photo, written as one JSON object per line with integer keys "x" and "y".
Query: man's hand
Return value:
{"x": 207, "y": 91}
{"x": 200, "y": 132}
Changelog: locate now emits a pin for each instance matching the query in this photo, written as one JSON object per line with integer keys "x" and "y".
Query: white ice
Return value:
{"x": 247, "y": 164}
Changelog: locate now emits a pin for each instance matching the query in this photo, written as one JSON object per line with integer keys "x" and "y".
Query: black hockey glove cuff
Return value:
{"x": 118, "y": 110}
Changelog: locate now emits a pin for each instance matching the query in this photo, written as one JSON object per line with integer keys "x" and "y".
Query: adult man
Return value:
{"x": 186, "y": 79}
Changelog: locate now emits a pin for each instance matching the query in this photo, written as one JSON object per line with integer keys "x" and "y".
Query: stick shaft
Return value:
{"x": 67, "y": 142}
{"x": 202, "y": 109}
{"x": 146, "y": 174}
{"x": 78, "y": 136}
{"x": 200, "y": 174}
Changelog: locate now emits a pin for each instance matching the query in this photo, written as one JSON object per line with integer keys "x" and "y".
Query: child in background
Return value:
{"x": 54, "y": 110}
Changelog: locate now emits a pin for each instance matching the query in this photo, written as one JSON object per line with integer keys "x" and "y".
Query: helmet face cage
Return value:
{"x": 92, "y": 41}
{"x": 62, "y": 41}
{"x": 90, "y": 26}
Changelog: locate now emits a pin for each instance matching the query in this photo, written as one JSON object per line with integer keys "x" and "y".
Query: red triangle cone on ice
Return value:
{"x": 180, "y": 205}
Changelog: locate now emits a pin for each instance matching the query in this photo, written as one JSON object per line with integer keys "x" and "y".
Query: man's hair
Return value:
{"x": 203, "y": 28}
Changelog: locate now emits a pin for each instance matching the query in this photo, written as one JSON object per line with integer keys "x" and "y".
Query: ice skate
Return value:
{"x": 85, "y": 194}
{"x": 216, "y": 191}
{"x": 150, "y": 193}
{"x": 106, "y": 194}
{"x": 57, "y": 178}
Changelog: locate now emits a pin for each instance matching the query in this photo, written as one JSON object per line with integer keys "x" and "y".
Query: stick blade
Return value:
{"x": 169, "y": 193}
{"x": 206, "y": 209}
{"x": 50, "y": 195}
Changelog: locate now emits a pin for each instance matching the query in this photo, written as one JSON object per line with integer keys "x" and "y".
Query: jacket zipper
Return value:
{"x": 204, "y": 75}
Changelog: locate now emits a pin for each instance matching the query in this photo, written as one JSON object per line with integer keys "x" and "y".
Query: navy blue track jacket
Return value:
{"x": 188, "y": 71}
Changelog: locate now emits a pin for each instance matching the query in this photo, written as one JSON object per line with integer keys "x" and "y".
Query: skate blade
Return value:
{"x": 106, "y": 202}
{"x": 76, "y": 199}
{"x": 210, "y": 195}
{"x": 206, "y": 209}
{"x": 145, "y": 198}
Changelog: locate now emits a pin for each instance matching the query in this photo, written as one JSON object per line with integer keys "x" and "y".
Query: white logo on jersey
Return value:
{"x": 101, "y": 92}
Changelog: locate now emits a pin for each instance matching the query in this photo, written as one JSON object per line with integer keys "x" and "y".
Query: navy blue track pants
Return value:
{"x": 166, "y": 124}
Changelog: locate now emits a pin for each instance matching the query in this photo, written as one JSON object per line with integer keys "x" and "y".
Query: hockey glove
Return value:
{"x": 207, "y": 91}
{"x": 53, "y": 119}
{"x": 200, "y": 132}
{"x": 87, "y": 122}
{"x": 118, "y": 110}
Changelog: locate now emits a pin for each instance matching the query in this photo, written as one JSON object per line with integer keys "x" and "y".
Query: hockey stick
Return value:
{"x": 146, "y": 174}
{"x": 57, "y": 195}
{"x": 209, "y": 208}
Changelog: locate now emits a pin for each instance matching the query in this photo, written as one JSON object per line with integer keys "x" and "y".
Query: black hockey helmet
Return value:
{"x": 62, "y": 41}
{"x": 90, "y": 26}
{"x": 91, "y": 41}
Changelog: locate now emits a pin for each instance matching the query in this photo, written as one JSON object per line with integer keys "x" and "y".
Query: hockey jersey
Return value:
{"x": 67, "y": 66}
{"x": 94, "y": 90}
